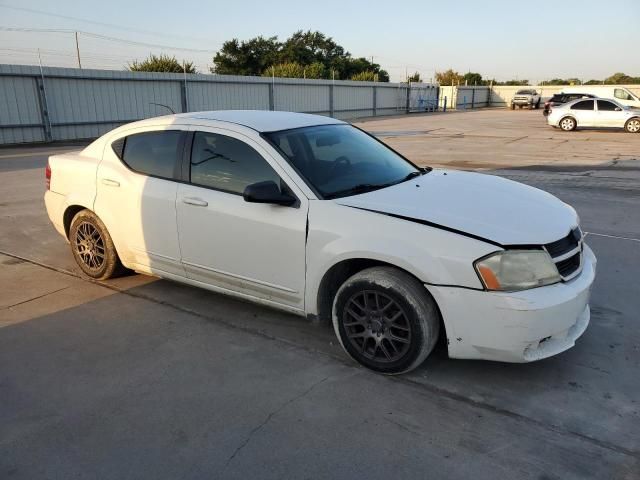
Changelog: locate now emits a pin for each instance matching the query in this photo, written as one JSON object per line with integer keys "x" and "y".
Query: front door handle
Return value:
{"x": 196, "y": 202}
{"x": 110, "y": 183}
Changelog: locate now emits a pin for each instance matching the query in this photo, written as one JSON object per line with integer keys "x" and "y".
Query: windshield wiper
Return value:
{"x": 356, "y": 189}
{"x": 419, "y": 172}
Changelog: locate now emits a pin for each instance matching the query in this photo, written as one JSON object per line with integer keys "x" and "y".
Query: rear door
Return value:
{"x": 609, "y": 114}
{"x": 252, "y": 249}
{"x": 136, "y": 195}
{"x": 584, "y": 113}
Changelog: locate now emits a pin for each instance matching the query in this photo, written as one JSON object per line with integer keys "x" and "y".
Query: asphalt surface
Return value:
{"x": 144, "y": 378}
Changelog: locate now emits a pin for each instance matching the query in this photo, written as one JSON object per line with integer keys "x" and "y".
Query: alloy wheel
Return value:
{"x": 633, "y": 125}
{"x": 567, "y": 124}
{"x": 376, "y": 326}
{"x": 89, "y": 245}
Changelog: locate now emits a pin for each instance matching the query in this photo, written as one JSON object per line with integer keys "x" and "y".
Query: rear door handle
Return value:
{"x": 196, "y": 202}
{"x": 110, "y": 183}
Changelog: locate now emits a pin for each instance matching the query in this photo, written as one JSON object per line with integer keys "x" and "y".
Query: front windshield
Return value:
{"x": 341, "y": 160}
{"x": 525, "y": 92}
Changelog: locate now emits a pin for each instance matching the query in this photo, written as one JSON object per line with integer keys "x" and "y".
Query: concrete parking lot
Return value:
{"x": 144, "y": 378}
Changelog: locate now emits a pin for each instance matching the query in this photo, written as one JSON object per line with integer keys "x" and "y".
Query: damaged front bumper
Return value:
{"x": 517, "y": 326}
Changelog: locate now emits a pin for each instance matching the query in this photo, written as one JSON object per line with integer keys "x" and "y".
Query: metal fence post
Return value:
{"x": 375, "y": 101}
{"x": 272, "y": 104}
{"x": 407, "y": 108}
{"x": 44, "y": 110}
{"x": 473, "y": 97}
{"x": 445, "y": 103}
{"x": 331, "y": 109}
{"x": 183, "y": 97}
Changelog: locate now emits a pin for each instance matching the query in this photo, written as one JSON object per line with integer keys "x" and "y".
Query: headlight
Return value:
{"x": 517, "y": 270}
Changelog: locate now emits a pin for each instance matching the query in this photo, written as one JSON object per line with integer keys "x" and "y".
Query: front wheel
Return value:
{"x": 386, "y": 320}
{"x": 632, "y": 125}
{"x": 567, "y": 124}
{"x": 92, "y": 247}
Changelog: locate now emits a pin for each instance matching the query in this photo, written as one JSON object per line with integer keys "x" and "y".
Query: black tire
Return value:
{"x": 567, "y": 124}
{"x": 93, "y": 248}
{"x": 538, "y": 104}
{"x": 633, "y": 125}
{"x": 386, "y": 320}
{"x": 513, "y": 106}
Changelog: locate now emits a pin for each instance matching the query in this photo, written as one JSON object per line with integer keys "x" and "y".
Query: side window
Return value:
{"x": 585, "y": 105}
{"x": 151, "y": 153}
{"x": 603, "y": 105}
{"x": 622, "y": 94}
{"x": 227, "y": 164}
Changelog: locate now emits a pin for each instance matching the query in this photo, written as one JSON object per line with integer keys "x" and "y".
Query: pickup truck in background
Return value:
{"x": 526, "y": 98}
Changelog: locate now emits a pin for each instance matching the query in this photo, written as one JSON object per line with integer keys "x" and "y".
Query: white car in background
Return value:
{"x": 314, "y": 216}
{"x": 594, "y": 113}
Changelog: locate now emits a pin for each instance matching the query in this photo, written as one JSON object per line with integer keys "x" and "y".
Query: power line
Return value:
{"x": 103, "y": 24}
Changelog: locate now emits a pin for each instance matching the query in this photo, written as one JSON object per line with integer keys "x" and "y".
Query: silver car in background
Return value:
{"x": 597, "y": 112}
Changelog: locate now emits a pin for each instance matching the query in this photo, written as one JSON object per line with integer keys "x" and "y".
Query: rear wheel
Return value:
{"x": 568, "y": 124}
{"x": 632, "y": 125}
{"x": 386, "y": 320}
{"x": 92, "y": 247}
{"x": 513, "y": 106}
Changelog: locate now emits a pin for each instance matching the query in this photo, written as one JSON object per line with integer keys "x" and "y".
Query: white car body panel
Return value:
{"x": 479, "y": 201}
{"x": 434, "y": 227}
{"x": 139, "y": 212}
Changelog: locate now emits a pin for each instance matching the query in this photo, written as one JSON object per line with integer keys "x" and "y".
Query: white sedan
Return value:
{"x": 313, "y": 216}
{"x": 597, "y": 112}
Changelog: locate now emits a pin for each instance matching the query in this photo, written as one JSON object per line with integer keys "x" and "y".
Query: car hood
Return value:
{"x": 486, "y": 206}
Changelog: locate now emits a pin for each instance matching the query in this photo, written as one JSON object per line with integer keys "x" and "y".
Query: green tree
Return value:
{"x": 619, "y": 78}
{"x": 312, "y": 50}
{"x": 449, "y": 77}
{"x": 593, "y": 82}
{"x": 249, "y": 57}
{"x": 518, "y": 83}
{"x": 471, "y": 78}
{"x": 415, "y": 77}
{"x": 161, "y": 63}
{"x": 366, "y": 76}
{"x": 295, "y": 70}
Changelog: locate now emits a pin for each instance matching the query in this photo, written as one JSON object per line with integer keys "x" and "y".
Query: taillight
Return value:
{"x": 47, "y": 175}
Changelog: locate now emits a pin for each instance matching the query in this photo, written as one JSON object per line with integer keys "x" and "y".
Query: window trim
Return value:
{"x": 185, "y": 167}
{"x": 177, "y": 162}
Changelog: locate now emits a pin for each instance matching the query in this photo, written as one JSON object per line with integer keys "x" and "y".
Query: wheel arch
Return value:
{"x": 340, "y": 271}
{"x": 568, "y": 115}
{"x": 69, "y": 213}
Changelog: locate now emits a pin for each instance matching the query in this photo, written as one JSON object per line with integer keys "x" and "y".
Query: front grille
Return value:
{"x": 564, "y": 245}
{"x": 570, "y": 265}
{"x": 567, "y": 267}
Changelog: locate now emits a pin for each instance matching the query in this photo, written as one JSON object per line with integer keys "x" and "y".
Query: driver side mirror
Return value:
{"x": 618, "y": 109}
{"x": 267, "y": 192}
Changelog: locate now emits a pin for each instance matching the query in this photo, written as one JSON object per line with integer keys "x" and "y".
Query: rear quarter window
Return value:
{"x": 151, "y": 153}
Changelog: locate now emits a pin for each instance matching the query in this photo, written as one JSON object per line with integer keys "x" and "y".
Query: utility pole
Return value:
{"x": 78, "y": 52}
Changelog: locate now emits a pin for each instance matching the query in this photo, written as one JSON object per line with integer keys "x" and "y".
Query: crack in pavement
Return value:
{"x": 268, "y": 419}
{"x": 424, "y": 387}
{"x": 34, "y": 298}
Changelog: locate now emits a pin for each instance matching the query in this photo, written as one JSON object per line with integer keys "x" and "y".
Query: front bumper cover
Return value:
{"x": 517, "y": 326}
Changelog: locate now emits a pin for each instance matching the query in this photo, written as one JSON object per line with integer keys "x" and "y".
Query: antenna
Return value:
{"x": 163, "y": 105}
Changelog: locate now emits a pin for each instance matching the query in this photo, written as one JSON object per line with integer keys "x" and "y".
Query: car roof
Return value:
{"x": 260, "y": 120}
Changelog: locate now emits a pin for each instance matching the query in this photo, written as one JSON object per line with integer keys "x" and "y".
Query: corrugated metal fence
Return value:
{"x": 67, "y": 104}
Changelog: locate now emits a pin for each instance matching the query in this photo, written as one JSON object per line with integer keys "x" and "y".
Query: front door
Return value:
{"x": 255, "y": 250}
{"x": 609, "y": 114}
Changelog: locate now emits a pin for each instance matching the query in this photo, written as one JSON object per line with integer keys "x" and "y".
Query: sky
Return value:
{"x": 499, "y": 39}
